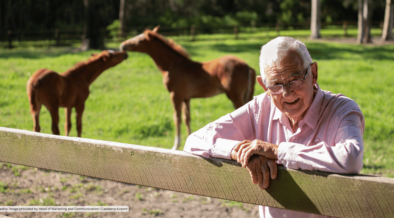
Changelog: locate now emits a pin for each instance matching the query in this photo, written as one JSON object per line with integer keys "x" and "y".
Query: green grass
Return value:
{"x": 128, "y": 103}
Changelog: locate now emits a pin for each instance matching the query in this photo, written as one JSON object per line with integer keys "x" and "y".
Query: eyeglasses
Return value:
{"x": 294, "y": 85}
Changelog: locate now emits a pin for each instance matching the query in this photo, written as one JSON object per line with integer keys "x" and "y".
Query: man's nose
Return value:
{"x": 287, "y": 90}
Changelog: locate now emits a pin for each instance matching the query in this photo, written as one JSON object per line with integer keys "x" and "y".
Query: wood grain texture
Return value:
{"x": 306, "y": 191}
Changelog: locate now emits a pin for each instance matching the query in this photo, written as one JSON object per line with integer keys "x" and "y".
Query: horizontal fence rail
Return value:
{"x": 306, "y": 191}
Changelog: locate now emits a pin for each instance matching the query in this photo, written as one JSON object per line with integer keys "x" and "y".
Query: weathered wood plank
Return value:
{"x": 313, "y": 192}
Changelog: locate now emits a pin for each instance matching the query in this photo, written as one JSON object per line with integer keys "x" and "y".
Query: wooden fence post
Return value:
{"x": 345, "y": 28}
{"x": 236, "y": 32}
{"x": 277, "y": 29}
{"x": 9, "y": 34}
{"x": 57, "y": 37}
{"x": 192, "y": 33}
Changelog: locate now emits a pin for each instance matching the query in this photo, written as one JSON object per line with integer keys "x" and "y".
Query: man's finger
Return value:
{"x": 246, "y": 157}
{"x": 259, "y": 174}
{"x": 253, "y": 174}
{"x": 273, "y": 168}
{"x": 266, "y": 175}
{"x": 239, "y": 156}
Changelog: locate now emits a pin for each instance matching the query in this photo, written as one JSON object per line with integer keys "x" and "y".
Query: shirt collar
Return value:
{"x": 311, "y": 116}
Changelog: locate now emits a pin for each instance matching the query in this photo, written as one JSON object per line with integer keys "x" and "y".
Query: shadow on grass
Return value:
{"x": 318, "y": 50}
{"x": 19, "y": 53}
{"x": 37, "y": 52}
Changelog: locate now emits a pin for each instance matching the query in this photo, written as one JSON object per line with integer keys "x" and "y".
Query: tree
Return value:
{"x": 364, "y": 27}
{"x": 315, "y": 19}
{"x": 388, "y": 22}
{"x": 93, "y": 37}
{"x": 122, "y": 18}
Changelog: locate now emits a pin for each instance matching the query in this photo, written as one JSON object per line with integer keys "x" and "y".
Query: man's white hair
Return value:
{"x": 275, "y": 50}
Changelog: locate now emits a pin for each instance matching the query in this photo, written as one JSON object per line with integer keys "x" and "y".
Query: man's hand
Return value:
{"x": 244, "y": 150}
{"x": 260, "y": 169}
{"x": 234, "y": 152}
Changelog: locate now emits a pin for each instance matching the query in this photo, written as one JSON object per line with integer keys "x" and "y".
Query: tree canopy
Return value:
{"x": 32, "y": 15}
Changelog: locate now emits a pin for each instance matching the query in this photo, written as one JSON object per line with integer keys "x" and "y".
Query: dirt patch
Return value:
{"x": 23, "y": 186}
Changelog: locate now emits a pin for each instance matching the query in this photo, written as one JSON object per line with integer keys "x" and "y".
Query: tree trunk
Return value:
{"x": 364, "y": 23}
{"x": 367, "y": 22}
{"x": 122, "y": 18}
{"x": 360, "y": 36}
{"x": 2, "y": 16}
{"x": 93, "y": 36}
{"x": 315, "y": 20}
{"x": 388, "y": 22}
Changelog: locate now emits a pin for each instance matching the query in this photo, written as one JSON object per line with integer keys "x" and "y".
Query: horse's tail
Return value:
{"x": 32, "y": 90}
{"x": 250, "y": 88}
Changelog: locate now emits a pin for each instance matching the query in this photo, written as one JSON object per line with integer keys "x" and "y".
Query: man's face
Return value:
{"x": 294, "y": 103}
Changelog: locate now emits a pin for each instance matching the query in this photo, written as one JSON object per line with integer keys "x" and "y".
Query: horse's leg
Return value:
{"x": 79, "y": 111}
{"x": 54, "y": 111}
{"x": 67, "y": 125}
{"x": 35, "y": 114}
{"x": 186, "y": 115}
{"x": 237, "y": 99}
{"x": 177, "y": 104}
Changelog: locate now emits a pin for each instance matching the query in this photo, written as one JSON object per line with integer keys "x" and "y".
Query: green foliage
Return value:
{"x": 189, "y": 198}
{"x": 138, "y": 196}
{"x": 113, "y": 29}
{"x": 42, "y": 202}
{"x": 247, "y": 17}
{"x": 3, "y": 187}
{"x": 227, "y": 203}
{"x": 25, "y": 191}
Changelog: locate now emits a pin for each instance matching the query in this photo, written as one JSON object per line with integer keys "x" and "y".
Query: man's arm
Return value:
{"x": 344, "y": 157}
{"x": 218, "y": 138}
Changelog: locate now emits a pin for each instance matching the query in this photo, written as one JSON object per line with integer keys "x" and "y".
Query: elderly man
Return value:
{"x": 293, "y": 123}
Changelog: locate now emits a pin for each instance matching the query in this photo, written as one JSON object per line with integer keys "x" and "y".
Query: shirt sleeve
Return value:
{"x": 344, "y": 157}
{"x": 217, "y": 139}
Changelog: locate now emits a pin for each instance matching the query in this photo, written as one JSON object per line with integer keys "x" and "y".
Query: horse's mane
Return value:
{"x": 81, "y": 64}
{"x": 170, "y": 43}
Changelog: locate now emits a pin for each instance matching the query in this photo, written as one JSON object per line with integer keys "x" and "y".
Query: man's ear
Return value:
{"x": 260, "y": 81}
{"x": 156, "y": 29}
{"x": 314, "y": 73}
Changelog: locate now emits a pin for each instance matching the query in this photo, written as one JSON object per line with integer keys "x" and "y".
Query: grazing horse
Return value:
{"x": 69, "y": 89}
{"x": 186, "y": 79}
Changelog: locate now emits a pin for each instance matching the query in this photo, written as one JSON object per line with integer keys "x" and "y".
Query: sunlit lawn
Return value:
{"x": 128, "y": 103}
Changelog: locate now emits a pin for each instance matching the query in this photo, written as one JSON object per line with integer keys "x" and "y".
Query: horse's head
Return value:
{"x": 138, "y": 43}
{"x": 111, "y": 58}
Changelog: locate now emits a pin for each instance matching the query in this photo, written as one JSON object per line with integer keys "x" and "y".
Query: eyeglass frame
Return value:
{"x": 288, "y": 84}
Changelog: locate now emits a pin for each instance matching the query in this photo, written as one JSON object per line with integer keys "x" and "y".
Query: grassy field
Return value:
{"x": 128, "y": 103}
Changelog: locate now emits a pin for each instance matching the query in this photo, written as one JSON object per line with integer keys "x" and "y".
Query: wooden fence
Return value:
{"x": 306, "y": 191}
{"x": 59, "y": 37}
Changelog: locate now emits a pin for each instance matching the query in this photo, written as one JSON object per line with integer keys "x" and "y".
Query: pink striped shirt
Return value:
{"x": 329, "y": 137}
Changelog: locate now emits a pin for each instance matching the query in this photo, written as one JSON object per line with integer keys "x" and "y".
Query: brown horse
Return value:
{"x": 69, "y": 89}
{"x": 186, "y": 79}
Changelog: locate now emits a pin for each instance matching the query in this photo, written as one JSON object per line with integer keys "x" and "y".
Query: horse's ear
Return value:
{"x": 146, "y": 33}
{"x": 156, "y": 29}
{"x": 105, "y": 58}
